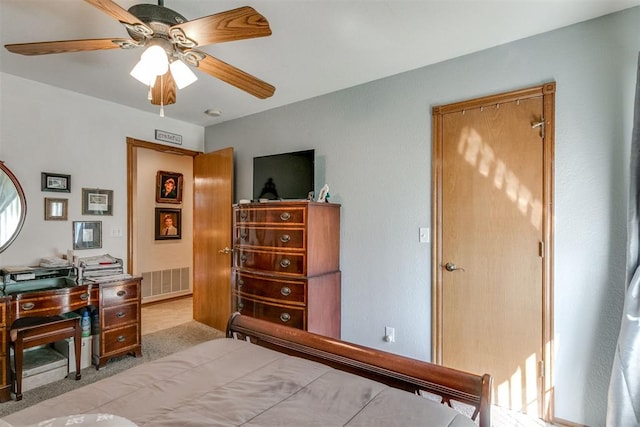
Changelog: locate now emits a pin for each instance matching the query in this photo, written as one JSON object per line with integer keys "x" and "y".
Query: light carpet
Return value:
{"x": 154, "y": 346}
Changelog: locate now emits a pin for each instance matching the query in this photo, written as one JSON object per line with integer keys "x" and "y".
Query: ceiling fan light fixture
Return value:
{"x": 182, "y": 74}
{"x": 153, "y": 62}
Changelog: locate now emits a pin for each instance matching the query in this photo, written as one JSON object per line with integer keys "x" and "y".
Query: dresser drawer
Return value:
{"x": 3, "y": 341}
{"x": 285, "y": 238}
{"x": 288, "y": 316}
{"x": 120, "y": 315}
{"x": 121, "y": 338}
{"x": 276, "y": 215}
{"x": 118, "y": 294}
{"x": 285, "y": 291}
{"x": 278, "y": 262}
{"x": 50, "y": 303}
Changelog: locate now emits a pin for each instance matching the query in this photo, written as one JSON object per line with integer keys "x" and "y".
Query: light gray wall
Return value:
{"x": 373, "y": 148}
{"x": 46, "y": 129}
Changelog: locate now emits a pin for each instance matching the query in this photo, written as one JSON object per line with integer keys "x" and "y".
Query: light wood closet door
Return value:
{"x": 491, "y": 236}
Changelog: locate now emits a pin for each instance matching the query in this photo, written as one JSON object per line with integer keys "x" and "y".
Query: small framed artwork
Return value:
{"x": 55, "y": 209}
{"x": 87, "y": 234}
{"x": 168, "y": 187}
{"x": 55, "y": 182}
{"x": 97, "y": 202}
{"x": 168, "y": 224}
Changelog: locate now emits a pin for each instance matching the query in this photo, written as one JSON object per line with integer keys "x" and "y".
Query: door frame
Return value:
{"x": 132, "y": 149}
{"x": 547, "y": 91}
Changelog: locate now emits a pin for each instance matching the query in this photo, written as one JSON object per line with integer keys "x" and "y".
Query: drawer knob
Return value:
{"x": 285, "y": 216}
{"x": 244, "y": 215}
{"x": 240, "y": 306}
{"x": 121, "y": 338}
{"x": 244, "y": 235}
{"x": 243, "y": 258}
{"x": 121, "y": 293}
{"x": 285, "y": 238}
{"x": 240, "y": 282}
{"x": 27, "y": 306}
{"x": 84, "y": 296}
{"x": 285, "y": 290}
{"x": 120, "y": 314}
{"x": 285, "y": 262}
{"x": 285, "y": 317}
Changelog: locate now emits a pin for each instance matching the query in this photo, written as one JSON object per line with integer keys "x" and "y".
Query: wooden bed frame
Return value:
{"x": 401, "y": 372}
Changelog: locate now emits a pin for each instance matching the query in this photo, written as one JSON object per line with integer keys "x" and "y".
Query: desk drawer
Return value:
{"x": 3, "y": 312}
{"x": 120, "y": 315}
{"x": 51, "y": 303}
{"x": 118, "y": 294}
{"x": 283, "y": 315}
{"x": 121, "y": 338}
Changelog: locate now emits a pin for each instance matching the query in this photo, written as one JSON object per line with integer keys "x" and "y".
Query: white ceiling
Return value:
{"x": 317, "y": 46}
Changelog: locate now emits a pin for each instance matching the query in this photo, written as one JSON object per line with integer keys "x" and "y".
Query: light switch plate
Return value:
{"x": 424, "y": 234}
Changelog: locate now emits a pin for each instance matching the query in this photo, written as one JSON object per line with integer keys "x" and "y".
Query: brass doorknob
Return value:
{"x": 226, "y": 250}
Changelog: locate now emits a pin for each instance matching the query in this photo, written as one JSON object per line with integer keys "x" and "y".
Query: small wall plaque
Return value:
{"x": 165, "y": 136}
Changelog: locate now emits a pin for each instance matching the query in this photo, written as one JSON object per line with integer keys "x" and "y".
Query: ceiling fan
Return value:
{"x": 155, "y": 26}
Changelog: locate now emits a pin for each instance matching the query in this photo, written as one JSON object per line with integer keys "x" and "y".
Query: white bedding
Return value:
{"x": 225, "y": 382}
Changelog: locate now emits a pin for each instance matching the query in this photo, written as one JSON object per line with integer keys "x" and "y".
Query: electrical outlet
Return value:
{"x": 389, "y": 334}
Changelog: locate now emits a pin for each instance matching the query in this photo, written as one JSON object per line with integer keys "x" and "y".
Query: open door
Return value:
{"x": 213, "y": 196}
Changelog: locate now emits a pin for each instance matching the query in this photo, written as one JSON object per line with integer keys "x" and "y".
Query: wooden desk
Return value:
{"x": 118, "y": 305}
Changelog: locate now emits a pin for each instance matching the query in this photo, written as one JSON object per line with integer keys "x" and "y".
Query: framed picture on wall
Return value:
{"x": 97, "y": 202}
{"x": 168, "y": 224}
{"x": 87, "y": 234}
{"x": 55, "y": 209}
{"x": 169, "y": 187}
{"x": 55, "y": 182}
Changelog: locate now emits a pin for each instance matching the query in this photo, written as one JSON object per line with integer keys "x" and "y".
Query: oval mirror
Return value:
{"x": 13, "y": 207}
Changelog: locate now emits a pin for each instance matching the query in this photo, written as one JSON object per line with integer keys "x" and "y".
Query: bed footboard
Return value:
{"x": 393, "y": 370}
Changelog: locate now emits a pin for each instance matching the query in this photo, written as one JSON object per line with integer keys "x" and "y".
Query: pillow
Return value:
{"x": 101, "y": 420}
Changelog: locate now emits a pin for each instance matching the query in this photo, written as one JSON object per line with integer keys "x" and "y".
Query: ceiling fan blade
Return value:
{"x": 122, "y": 15}
{"x": 235, "y": 77}
{"x": 45, "y": 48}
{"x": 236, "y": 24}
{"x": 164, "y": 90}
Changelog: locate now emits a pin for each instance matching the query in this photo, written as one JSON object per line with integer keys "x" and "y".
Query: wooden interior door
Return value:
{"x": 492, "y": 234}
{"x": 213, "y": 197}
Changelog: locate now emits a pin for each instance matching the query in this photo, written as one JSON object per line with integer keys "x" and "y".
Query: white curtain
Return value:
{"x": 623, "y": 408}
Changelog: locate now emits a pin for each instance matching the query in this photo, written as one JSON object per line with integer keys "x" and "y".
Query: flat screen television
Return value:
{"x": 286, "y": 176}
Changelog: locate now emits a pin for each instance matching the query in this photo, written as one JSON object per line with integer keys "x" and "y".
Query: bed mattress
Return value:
{"x": 228, "y": 382}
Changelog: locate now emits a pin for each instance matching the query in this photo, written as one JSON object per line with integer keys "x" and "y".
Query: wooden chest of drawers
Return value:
{"x": 287, "y": 264}
{"x": 119, "y": 314}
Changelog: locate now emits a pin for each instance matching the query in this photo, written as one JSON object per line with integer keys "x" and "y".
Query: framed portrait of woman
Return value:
{"x": 169, "y": 187}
